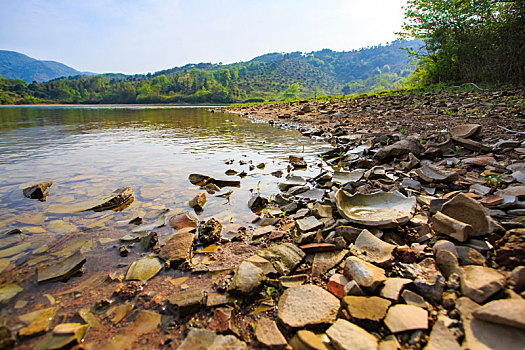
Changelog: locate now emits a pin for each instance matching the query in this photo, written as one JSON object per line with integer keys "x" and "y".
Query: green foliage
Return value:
{"x": 269, "y": 77}
{"x": 479, "y": 41}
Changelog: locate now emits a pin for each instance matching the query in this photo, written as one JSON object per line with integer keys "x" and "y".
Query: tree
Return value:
{"x": 292, "y": 91}
{"x": 468, "y": 40}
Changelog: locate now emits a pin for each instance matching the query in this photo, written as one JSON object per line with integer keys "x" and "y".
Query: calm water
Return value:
{"x": 91, "y": 150}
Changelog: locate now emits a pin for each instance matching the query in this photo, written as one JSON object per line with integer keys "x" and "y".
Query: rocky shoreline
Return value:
{"x": 411, "y": 236}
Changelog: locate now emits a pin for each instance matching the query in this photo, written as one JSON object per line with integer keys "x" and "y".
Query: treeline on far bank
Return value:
{"x": 269, "y": 77}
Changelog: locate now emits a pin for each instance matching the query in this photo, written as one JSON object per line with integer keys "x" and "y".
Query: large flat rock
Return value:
{"x": 307, "y": 305}
{"x": 345, "y": 335}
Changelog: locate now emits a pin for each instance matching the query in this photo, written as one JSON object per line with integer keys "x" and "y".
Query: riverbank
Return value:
{"x": 437, "y": 259}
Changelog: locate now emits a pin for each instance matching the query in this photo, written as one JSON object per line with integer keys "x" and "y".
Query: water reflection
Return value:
{"x": 89, "y": 150}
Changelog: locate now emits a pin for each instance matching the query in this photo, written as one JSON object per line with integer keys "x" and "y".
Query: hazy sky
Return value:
{"x": 132, "y": 36}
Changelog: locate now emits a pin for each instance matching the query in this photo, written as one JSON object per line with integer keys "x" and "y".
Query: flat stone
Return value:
{"x": 368, "y": 309}
{"x": 469, "y": 211}
{"x": 268, "y": 334}
{"x": 401, "y": 318}
{"x": 349, "y": 233}
{"x": 111, "y": 201}
{"x": 307, "y": 340}
{"x": 219, "y": 299}
{"x": 326, "y": 260}
{"x": 470, "y": 256}
{"x": 177, "y": 248}
{"x": 393, "y": 287}
{"x": 308, "y": 224}
{"x": 144, "y": 322}
{"x": 321, "y": 308}
{"x": 365, "y": 274}
{"x": 399, "y": 148}
{"x": 322, "y": 211}
{"x": 484, "y": 335}
{"x": 284, "y": 257}
{"x": 389, "y": 343}
{"x": 318, "y": 247}
{"x": 480, "y": 283}
{"x": 186, "y": 302}
{"x": 39, "y": 322}
{"x": 8, "y": 292}
{"x": 480, "y": 189}
{"x": 247, "y": 279}
{"x": 144, "y": 269}
{"x": 509, "y": 312}
{"x": 372, "y": 249}
{"x": 222, "y": 321}
{"x": 205, "y": 339}
{"x": 265, "y": 265}
{"x": 430, "y": 173}
{"x": 516, "y": 191}
{"x": 345, "y": 335}
{"x": 315, "y": 194}
{"x": 183, "y": 221}
{"x": 64, "y": 336}
{"x": 441, "y": 338}
{"x": 456, "y": 229}
{"x": 414, "y": 299}
{"x": 292, "y": 280}
{"x": 61, "y": 270}
{"x": 471, "y": 144}
{"x": 465, "y": 130}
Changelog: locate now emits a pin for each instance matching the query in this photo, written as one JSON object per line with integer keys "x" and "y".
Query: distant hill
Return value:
{"x": 14, "y": 65}
{"x": 270, "y": 77}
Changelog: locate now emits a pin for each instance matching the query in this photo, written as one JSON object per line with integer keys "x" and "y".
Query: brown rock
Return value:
{"x": 446, "y": 225}
{"x": 177, "y": 248}
{"x": 509, "y": 312}
{"x": 480, "y": 283}
{"x": 345, "y": 335}
{"x": 269, "y": 335}
{"x": 367, "y": 309}
{"x": 336, "y": 285}
{"x": 469, "y": 211}
{"x": 365, "y": 274}
{"x": 510, "y": 250}
{"x": 402, "y": 318}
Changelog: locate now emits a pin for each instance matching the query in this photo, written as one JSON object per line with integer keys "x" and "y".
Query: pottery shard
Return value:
{"x": 177, "y": 248}
{"x": 466, "y": 130}
{"x": 393, "y": 287}
{"x": 345, "y": 335}
{"x": 61, "y": 270}
{"x": 268, "y": 334}
{"x": 509, "y": 312}
{"x": 210, "y": 231}
{"x": 402, "y": 318}
{"x": 186, "y": 302}
{"x": 469, "y": 211}
{"x": 324, "y": 261}
{"x": 37, "y": 191}
{"x": 510, "y": 250}
{"x": 361, "y": 308}
{"x": 183, "y": 221}
{"x": 370, "y": 248}
{"x": 446, "y": 225}
{"x": 480, "y": 283}
{"x": 430, "y": 173}
{"x": 409, "y": 145}
{"x": 247, "y": 279}
{"x": 307, "y": 305}
{"x": 365, "y": 274}
{"x": 284, "y": 257}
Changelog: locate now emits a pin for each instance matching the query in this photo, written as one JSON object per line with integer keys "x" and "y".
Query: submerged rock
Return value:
{"x": 384, "y": 209}
{"x": 183, "y": 221}
{"x": 37, "y": 191}
{"x": 144, "y": 269}
{"x": 39, "y": 322}
{"x": 64, "y": 336}
{"x": 61, "y": 270}
{"x": 203, "y": 180}
{"x": 198, "y": 201}
{"x": 114, "y": 200}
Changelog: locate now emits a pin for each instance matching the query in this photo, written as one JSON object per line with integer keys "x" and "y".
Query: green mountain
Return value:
{"x": 14, "y": 65}
{"x": 270, "y": 77}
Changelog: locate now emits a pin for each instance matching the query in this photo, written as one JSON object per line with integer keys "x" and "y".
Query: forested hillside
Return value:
{"x": 14, "y": 65}
{"x": 275, "y": 76}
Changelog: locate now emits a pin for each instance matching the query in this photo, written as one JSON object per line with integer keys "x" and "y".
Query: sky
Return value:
{"x": 132, "y": 36}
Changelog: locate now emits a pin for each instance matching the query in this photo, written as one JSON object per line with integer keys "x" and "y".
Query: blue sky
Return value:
{"x": 132, "y": 36}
